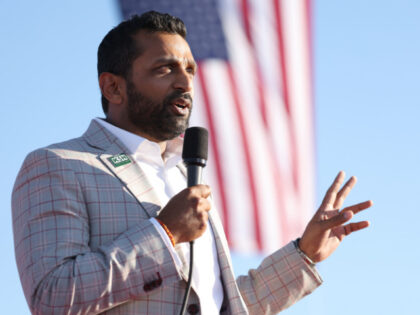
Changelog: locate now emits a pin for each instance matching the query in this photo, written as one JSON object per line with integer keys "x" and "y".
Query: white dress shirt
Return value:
{"x": 167, "y": 180}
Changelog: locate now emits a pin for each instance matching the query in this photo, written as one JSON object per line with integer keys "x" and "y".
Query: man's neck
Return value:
{"x": 131, "y": 128}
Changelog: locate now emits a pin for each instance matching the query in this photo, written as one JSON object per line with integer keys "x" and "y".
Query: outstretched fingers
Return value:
{"x": 331, "y": 194}
{"x": 343, "y": 193}
{"x": 356, "y": 226}
{"x": 359, "y": 206}
{"x": 337, "y": 220}
{"x": 346, "y": 214}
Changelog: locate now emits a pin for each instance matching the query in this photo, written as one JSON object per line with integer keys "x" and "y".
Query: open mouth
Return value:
{"x": 181, "y": 106}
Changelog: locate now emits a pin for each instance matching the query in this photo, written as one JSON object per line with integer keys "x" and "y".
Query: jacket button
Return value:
{"x": 158, "y": 282}
{"x": 153, "y": 284}
{"x": 193, "y": 309}
{"x": 147, "y": 287}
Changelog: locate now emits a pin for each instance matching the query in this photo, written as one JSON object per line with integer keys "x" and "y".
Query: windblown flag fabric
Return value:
{"x": 253, "y": 92}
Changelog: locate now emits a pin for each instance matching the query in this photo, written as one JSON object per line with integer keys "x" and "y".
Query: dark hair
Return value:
{"x": 118, "y": 49}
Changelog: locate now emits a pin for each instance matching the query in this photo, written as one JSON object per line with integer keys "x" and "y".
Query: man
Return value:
{"x": 102, "y": 222}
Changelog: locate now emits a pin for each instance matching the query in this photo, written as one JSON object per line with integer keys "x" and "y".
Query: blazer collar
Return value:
{"x": 99, "y": 137}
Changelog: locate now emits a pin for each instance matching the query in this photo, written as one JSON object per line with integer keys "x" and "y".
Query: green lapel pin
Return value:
{"x": 119, "y": 160}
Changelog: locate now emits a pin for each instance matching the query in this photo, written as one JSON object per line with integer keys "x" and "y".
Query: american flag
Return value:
{"x": 253, "y": 92}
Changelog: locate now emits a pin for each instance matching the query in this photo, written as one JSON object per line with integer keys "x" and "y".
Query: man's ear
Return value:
{"x": 113, "y": 88}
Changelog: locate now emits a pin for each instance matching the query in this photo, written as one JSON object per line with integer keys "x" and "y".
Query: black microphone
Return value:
{"x": 194, "y": 153}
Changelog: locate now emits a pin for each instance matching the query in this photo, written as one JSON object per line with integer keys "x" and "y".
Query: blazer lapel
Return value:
{"x": 233, "y": 295}
{"x": 128, "y": 172}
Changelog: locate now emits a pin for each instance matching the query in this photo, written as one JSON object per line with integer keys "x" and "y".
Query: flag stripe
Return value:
{"x": 245, "y": 18}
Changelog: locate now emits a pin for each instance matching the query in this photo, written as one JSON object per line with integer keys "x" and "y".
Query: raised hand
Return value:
{"x": 327, "y": 227}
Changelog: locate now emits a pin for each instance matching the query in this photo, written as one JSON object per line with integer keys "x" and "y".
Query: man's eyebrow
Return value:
{"x": 176, "y": 60}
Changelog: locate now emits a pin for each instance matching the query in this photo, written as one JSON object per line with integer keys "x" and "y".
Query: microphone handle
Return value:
{"x": 194, "y": 174}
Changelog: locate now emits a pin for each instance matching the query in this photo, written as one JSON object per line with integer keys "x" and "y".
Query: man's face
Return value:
{"x": 159, "y": 88}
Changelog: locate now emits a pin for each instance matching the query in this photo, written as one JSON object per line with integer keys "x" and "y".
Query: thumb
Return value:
{"x": 337, "y": 220}
{"x": 203, "y": 190}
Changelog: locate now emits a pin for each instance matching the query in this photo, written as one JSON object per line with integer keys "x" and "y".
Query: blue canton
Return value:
{"x": 204, "y": 28}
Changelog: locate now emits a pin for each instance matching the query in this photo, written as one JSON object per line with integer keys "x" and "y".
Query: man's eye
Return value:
{"x": 164, "y": 69}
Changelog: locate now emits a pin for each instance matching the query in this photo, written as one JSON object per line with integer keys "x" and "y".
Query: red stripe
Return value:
{"x": 245, "y": 17}
{"x": 293, "y": 145}
{"x": 217, "y": 157}
{"x": 245, "y": 145}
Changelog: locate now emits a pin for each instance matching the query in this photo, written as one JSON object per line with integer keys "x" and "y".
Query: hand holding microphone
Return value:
{"x": 185, "y": 214}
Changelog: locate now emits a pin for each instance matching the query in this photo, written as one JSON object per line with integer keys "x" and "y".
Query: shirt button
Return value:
{"x": 193, "y": 309}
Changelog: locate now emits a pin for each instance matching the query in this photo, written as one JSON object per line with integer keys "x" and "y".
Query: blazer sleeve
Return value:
{"x": 282, "y": 279}
{"x": 60, "y": 274}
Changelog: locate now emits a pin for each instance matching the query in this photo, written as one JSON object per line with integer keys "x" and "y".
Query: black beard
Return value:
{"x": 156, "y": 119}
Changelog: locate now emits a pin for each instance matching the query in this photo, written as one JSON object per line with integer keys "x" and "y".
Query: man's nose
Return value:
{"x": 184, "y": 81}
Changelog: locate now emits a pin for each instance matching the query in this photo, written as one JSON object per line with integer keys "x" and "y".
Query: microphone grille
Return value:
{"x": 195, "y": 143}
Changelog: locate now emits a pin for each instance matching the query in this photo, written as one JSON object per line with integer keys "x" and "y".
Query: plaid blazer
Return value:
{"x": 84, "y": 243}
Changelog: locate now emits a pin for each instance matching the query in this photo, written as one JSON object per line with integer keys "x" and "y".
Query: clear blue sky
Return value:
{"x": 367, "y": 71}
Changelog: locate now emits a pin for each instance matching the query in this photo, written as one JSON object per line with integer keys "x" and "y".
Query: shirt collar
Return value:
{"x": 143, "y": 148}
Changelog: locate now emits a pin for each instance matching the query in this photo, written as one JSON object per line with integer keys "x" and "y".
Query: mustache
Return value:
{"x": 178, "y": 94}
